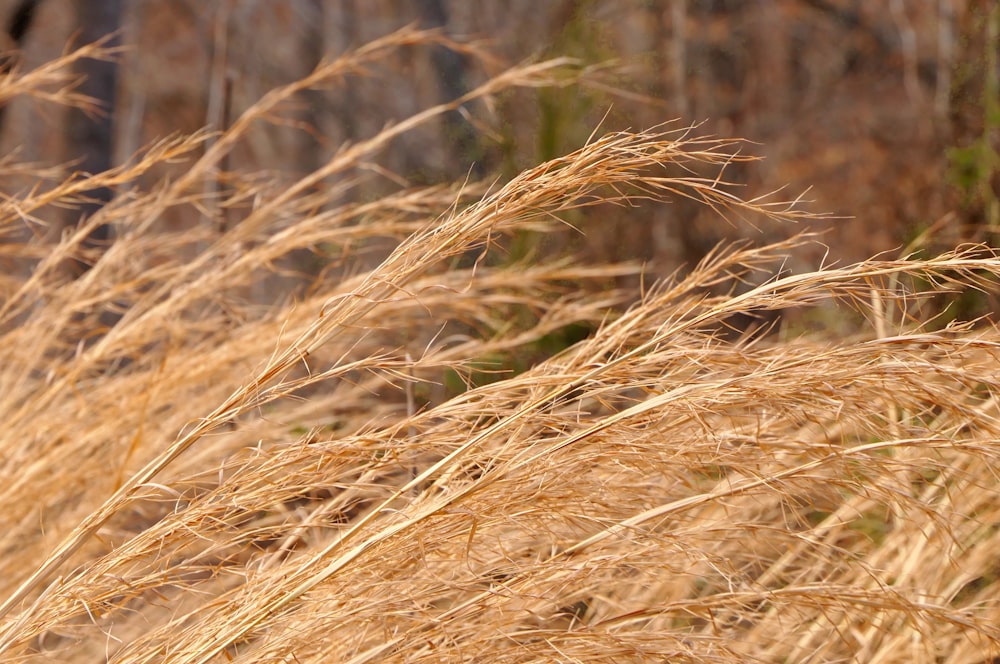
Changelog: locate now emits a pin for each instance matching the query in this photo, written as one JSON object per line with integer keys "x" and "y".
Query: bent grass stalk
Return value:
{"x": 659, "y": 490}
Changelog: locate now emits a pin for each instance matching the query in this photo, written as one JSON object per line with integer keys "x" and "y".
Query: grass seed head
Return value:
{"x": 193, "y": 472}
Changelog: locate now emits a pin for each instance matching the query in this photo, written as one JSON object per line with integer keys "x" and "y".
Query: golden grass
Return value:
{"x": 196, "y": 468}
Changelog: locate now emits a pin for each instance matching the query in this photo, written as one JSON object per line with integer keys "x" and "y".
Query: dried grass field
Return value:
{"x": 443, "y": 453}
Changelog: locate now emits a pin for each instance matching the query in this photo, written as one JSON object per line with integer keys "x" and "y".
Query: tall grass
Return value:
{"x": 197, "y": 469}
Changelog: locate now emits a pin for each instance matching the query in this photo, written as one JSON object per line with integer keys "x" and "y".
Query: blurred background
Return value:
{"x": 887, "y": 112}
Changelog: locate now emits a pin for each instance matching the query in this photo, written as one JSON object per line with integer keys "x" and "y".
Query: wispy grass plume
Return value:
{"x": 389, "y": 460}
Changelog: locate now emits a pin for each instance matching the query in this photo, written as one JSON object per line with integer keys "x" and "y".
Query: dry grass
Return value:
{"x": 194, "y": 468}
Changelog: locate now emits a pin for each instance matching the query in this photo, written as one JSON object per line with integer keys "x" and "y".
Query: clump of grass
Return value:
{"x": 195, "y": 473}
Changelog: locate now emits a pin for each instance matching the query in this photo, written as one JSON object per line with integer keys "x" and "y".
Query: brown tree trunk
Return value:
{"x": 451, "y": 69}
{"x": 17, "y": 28}
{"x": 91, "y": 136}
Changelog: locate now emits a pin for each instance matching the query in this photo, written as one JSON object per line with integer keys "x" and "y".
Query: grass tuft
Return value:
{"x": 210, "y": 454}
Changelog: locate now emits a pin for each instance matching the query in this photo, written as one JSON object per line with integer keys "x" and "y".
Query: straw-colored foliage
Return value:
{"x": 198, "y": 466}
